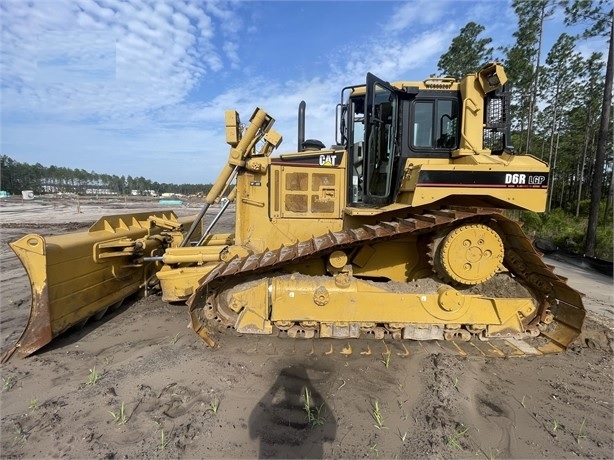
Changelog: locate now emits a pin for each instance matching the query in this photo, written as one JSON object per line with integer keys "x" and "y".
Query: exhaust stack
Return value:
{"x": 301, "y": 126}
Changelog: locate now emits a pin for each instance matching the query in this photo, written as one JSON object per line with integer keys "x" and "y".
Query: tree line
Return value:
{"x": 16, "y": 176}
{"x": 561, "y": 100}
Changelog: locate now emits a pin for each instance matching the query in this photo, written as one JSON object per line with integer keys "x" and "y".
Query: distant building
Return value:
{"x": 143, "y": 193}
{"x": 99, "y": 191}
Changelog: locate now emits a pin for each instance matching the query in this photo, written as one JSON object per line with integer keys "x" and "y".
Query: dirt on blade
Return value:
{"x": 247, "y": 398}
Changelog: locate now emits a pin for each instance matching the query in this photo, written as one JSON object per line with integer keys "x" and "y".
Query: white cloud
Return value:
{"x": 83, "y": 82}
{"x": 67, "y": 57}
{"x": 164, "y": 50}
{"x": 157, "y": 55}
{"x": 418, "y": 12}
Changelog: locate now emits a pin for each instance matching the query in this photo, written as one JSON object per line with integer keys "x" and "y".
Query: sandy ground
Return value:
{"x": 247, "y": 398}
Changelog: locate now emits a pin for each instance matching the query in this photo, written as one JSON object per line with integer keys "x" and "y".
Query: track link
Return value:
{"x": 560, "y": 310}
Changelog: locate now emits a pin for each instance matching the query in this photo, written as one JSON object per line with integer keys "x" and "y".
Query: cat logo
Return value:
{"x": 328, "y": 160}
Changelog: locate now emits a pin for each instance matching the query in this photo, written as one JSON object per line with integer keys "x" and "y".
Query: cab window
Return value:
{"x": 435, "y": 124}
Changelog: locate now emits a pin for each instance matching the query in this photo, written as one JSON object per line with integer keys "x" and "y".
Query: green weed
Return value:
{"x": 163, "y": 441}
{"x": 312, "y": 414}
{"x": 454, "y": 440}
{"x": 555, "y": 425}
{"x": 20, "y": 434}
{"x": 581, "y": 434}
{"x": 92, "y": 377}
{"x": 376, "y": 413}
{"x": 8, "y": 382}
{"x": 214, "y": 406}
{"x": 120, "y": 416}
{"x": 33, "y": 404}
{"x": 386, "y": 359}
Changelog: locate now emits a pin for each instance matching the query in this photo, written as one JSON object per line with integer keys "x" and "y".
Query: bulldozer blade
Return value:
{"x": 76, "y": 276}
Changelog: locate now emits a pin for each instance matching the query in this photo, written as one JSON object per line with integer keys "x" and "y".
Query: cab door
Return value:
{"x": 381, "y": 143}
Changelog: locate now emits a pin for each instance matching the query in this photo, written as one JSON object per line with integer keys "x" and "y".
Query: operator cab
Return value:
{"x": 381, "y": 126}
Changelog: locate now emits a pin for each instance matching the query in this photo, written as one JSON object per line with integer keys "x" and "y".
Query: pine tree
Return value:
{"x": 522, "y": 64}
{"x": 562, "y": 66}
{"x": 598, "y": 14}
{"x": 591, "y": 94}
{"x": 467, "y": 52}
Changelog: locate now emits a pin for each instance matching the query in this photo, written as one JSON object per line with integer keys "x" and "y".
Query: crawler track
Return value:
{"x": 560, "y": 310}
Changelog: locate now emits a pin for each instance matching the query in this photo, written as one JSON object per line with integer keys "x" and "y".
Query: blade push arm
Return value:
{"x": 242, "y": 146}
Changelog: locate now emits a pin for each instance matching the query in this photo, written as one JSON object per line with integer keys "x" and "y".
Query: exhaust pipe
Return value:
{"x": 301, "y": 126}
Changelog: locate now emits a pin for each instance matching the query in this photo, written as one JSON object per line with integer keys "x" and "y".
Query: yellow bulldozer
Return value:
{"x": 397, "y": 232}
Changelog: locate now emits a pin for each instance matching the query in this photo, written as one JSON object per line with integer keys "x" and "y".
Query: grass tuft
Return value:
{"x": 119, "y": 417}
{"x": 214, "y": 405}
{"x": 454, "y": 440}
{"x": 8, "y": 382}
{"x": 92, "y": 377}
{"x": 581, "y": 433}
{"x": 555, "y": 425}
{"x": 313, "y": 415}
{"x": 20, "y": 435}
{"x": 163, "y": 441}
{"x": 386, "y": 359}
{"x": 376, "y": 413}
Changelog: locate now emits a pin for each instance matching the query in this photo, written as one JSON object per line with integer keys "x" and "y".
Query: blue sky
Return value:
{"x": 140, "y": 87}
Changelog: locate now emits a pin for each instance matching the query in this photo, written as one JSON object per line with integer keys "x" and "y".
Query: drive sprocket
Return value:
{"x": 468, "y": 255}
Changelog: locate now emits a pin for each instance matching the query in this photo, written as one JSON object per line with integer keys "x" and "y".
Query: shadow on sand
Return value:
{"x": 286, "y": 428}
